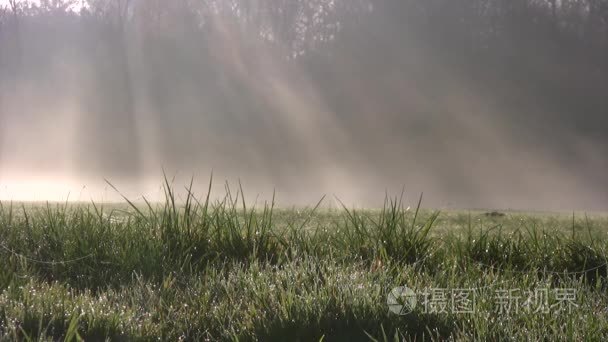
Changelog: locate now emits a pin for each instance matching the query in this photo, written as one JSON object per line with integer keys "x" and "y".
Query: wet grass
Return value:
{"x": 202, "y": 269}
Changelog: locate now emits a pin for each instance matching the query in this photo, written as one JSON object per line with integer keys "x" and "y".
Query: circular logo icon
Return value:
{"x": 401, "y": 300}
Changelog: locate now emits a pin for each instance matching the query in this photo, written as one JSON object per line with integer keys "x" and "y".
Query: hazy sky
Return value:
{"x": 37, "y": 2}
{"x": 6, "y": 2}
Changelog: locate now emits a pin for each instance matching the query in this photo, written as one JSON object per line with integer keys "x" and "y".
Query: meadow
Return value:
{"x": 195, "y": 269}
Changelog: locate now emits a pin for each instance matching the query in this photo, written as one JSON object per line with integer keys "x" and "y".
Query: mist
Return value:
{"x": 478, "y": 104}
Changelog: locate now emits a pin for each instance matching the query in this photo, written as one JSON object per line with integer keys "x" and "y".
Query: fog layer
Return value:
{"x": 485, "y": 103}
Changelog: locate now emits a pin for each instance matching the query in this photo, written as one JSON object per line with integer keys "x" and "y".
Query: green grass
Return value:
{"x": 219, "y": 270}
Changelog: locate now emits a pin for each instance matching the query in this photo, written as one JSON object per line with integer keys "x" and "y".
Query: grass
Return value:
{"x": 203, "y": 269}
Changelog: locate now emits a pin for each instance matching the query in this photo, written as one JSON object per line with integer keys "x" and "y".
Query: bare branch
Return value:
{"x": 14, "y": 5}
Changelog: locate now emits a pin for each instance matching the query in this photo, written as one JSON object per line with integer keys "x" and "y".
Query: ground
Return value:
{"x": 205, "y": 270}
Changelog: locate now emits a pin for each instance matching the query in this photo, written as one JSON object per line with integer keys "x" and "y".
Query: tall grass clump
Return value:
{"x": 394, "y": 235}
{"x": 197, "y": 232}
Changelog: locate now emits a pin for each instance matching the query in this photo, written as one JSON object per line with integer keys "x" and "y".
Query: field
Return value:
{"x": 200, "y": 269}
